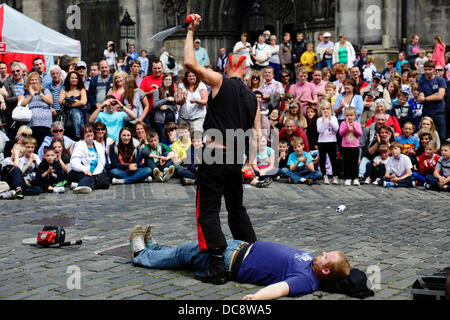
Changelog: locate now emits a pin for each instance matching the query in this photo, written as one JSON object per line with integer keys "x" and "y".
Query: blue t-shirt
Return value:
{"x": 113, "y": 122}
{"x": 270, "y": 263}
{"x": 408, "y": 143}
{"x": 293, "y": 159}
{"x": 93, "y": 155}
{"x": 429, "y": 88}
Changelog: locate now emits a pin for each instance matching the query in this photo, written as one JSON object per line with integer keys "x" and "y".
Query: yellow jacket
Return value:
{"x": 308, "y": 58}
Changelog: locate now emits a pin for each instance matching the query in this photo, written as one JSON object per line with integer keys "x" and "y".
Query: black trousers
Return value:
{"x": 213, "y": 182}
{"x": 351, "y": 158}
{"x": 329, "y": 148}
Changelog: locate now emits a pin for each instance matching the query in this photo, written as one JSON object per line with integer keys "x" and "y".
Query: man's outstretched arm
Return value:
{"x": 272, "y": 292}
{"x": 208, "y": 76}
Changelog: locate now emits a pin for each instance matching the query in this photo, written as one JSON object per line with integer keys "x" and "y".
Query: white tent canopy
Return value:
{"x": 22, "y": 34}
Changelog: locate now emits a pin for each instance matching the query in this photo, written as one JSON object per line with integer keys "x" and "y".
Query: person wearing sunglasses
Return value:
{"x": 57, "y": 131}
{"x": 15, "y": 87}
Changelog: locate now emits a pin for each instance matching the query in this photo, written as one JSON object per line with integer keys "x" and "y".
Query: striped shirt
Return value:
{"x": 55, "y": 90}
{"x": 19, "y": 89}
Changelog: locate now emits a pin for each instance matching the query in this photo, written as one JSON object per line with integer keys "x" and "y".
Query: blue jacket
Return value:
{"x": 114, "y": 157}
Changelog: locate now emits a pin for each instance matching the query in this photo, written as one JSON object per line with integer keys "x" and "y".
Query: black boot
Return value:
{"x": 215, "y": 272}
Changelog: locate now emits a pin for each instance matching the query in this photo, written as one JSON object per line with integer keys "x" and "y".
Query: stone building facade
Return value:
{"x": 381, "y": 25}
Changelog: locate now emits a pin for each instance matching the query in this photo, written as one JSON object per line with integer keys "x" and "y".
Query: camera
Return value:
{"x": 114, "y": 103}
{"x": 291, "y": 106}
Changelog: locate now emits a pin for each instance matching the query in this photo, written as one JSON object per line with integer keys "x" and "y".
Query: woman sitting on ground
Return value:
{"x": 126, "y": 161}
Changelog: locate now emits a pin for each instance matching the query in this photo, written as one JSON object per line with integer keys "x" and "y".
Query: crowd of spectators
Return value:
{"x": 327, "y": 113}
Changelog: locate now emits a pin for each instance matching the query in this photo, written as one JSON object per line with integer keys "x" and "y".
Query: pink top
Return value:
{"x": 439, "y": 55}
{"x": 350, "y": 139}
{"x": 309, "y": 91}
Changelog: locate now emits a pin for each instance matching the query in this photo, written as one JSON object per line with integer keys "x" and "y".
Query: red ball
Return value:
{"x": 248, "y": 174}
{"x": 190, "y": 18}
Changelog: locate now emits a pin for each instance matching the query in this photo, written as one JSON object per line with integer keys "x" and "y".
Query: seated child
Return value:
{"x": 187, "y": 169}
{"x": 265, "y": 168}
{"x": 440, "y": 180}
{"x": 265, "y": 159}
{"x": 301, "y": 168}
{"x": 408, "y": 141}
{"x": 426, "y": 163}
{"x": 377, "y": 169}
{"x": 401, "y": 109}
{"x": 12, "y": 174}
{"x": 50, "y": 173}
{"x": 425, "y": 137}
{"x": 283, "y": 150}
{"x": 160, "y": 159}
{"x": 398, "y": 169}
{"x": 30, "y": 161}
{"x": 182, "y": 145}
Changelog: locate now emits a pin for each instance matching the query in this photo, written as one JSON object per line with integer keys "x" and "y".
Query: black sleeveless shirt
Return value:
{"x": 234, "y": 107}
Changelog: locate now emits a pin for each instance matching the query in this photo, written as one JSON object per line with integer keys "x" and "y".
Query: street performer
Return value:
{"x": 231, "y": 106}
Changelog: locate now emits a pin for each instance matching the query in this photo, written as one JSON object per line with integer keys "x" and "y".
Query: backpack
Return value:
{"x": 171, "y": 62}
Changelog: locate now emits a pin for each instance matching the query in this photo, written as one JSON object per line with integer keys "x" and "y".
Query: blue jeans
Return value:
{"x": 301, "y": 173}
{"x": 77, "y": 120}
{"x": 182, "y": 172}
{"x": 130, "y": 176}
{"x": 434, "y": 183}
{"x": 324, "y": 64}
{"x": 363, "y": 166}
{"x": 440, "y": 123}
{"x": 185, "y": 256}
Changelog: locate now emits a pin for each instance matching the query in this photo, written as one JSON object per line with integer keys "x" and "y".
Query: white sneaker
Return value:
{"x": 326, "y": 180}
{"x": 348, "y": 182}
{"x": 168, "y": 173}
{"x": 356, "y": 182}
{"x": 368, "y": 181}
{"x": 336, "y": 181}
{"x": 157, "y": 174}
{"x": 73, "y": 185}
{"x": 82, "y": 190}
{"x": 59, "y": 190}
{"x": 8, "y": 195}
{"x": 377, "y": 182}
{"x": 116, "y": 181}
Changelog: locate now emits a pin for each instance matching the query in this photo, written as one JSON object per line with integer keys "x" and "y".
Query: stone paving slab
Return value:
{"x": 402, "y": 232}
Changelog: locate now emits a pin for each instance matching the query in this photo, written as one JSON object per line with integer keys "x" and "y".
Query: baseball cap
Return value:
{"x": 81, "y": 64}
{"x": 197, "y": 41}
{"x": 327, "y": 35}
{"x": 377, "y": 75}
{"x": 110, "y": 43}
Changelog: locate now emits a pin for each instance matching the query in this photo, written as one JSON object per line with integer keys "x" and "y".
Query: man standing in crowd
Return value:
{"x": 100, "y": 85}
{"x": 150, "y": 84}
{"x": 82, "y": 71}
{"x": 319, "y": 84}
{"x": 201, "y": 54}
{"x": 231, "y": 106}
{"x": 39, "y": 67}
{"x": 355, "y": 73}
{"x": 432, "y": 94}
{"x": 325, "y": 51}
{"x": 222, "y": 60}
{"x": 55, "y": 87}
{"x": 298, "y": 49}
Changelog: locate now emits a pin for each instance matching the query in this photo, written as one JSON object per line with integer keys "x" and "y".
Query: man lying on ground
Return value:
{"x": 282, "y": 270}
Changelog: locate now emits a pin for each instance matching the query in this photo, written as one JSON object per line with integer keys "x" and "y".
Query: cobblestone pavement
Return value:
{"x": 403, "y": 232}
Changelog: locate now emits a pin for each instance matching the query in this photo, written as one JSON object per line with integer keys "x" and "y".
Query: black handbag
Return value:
{"x": 102, "y": 181}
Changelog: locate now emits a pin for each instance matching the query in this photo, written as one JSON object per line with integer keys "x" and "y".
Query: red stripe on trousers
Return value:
{"x": 201, "y": 239}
